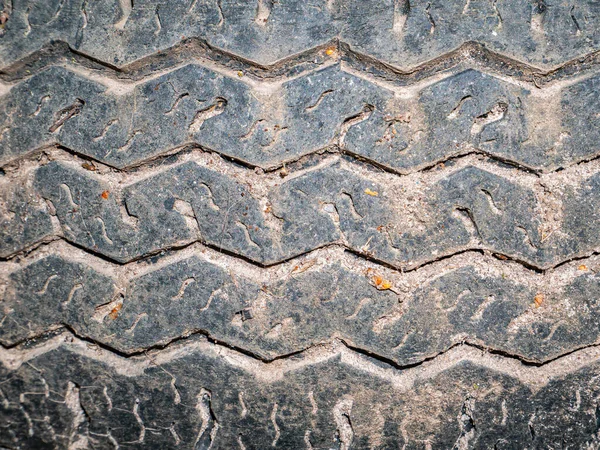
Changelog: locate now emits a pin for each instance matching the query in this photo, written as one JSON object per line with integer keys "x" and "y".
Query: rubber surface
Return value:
{"x": 319, "y": 224}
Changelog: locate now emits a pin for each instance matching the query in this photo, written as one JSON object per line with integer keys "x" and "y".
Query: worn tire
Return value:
{"x": 320, "y": 224}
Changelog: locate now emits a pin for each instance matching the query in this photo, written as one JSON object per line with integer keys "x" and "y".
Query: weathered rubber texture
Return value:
{"x": 268, "y": 126}
{"x": 319, "y": 224}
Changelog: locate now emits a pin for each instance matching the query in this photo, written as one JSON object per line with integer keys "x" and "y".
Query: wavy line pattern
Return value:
{"x": 405, "y": 320}
{"x": 424, "y": 29}
{"x": 388, "y": 221}
{"x": 267, "y": 125}
{"x": 147, "y": 400}
{"x": 301, "y": 224}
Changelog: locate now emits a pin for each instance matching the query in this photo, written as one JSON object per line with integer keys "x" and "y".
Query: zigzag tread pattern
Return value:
{"x": 301, "y": 224}
{"x": 403, "y": 32}
{"x": 268, "y": 124}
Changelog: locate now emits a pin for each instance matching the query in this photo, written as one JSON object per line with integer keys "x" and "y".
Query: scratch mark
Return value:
{"x": 263, "y": 11}
{"x": 360, "y": 305}
{"x": 526, "y": 237}
{"x": 67, "y": 190}
{"x": 176, "y": 102}
{"x": 126, "y": 215}
{"x": 319, "y": 100}
{"x": 456, "y": 111}
{"x": 27, "y": 13}
{"x": 210, "y": 299}
{"x": 246, "y": 231}
{"x": 494, "y": 115}
{"x": 313, "y": 403}
{"x": 500, "y": 20}
{"x": 466, "y": 8}
{"x": 467, "y": 426}
{"x": 177, "y": 399}
{"x": 430, "y": 18}
{"x": 129, "y": 141}
{"x": 40, "y": 105}
{"x": 221, "y": 15}
{"x": 354, "y": 120}
{"x": 482, "y": 307}
{"x": 491, "y": 202}
{"x": 252, "y": 129}
{"x": 401, "y": 12}
{"x": 575, "y": 21}
{"x": 28, "y": 419}
{"x": 58, "y": 10}
{"x": 174, "y": 434}
{"x": 80, "y": 417}
{"x": 538, "y": 11}
{"x": 139, "y": 317}
{"x": 126, "y": 8}
{"x": 307, "y": 440}
{"x": 83, "y": 25}
{"x": 183, "y": 287}
{"x": 157, "y": 21}
{"x": 210, "y": 426}
{"x": 105, "y": 130}
{"x": 207, "y": 113}
{"x": 274, "y": 422}
{"x": 243, "y": 405}
{"x": 530, "y": 425}
{"x": 555, "y": 327}
{"x": 45, "y": 288}
{"x": 107, "y": 397}
{"x": 138, "y": 418}
{"x": 341, "y": 415}
{"x": 466, "y": 216}
{"x": 103, "y": 231}
{"x": 66, "y": 114}
{"x": 74, "y": 289}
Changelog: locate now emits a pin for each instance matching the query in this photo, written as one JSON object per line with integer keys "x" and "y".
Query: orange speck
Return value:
{"x": 380, "y": 283}
{"x": 582, "y": 267}
{"x": 114, "y": 313}
{"x": 330, "y": 51}
{"x": 104, "y": 195}
{"x": 385, "y": 285}
{"x": 240, "y": 74}
{"x": 538, "y": 299}
{"x": 88, "y": 166}
{"x": 371, "y": 193}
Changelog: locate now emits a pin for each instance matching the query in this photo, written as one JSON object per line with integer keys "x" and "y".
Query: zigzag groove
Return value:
{"x": 567, "y": 32}
{"x": 537, "y": 220}
{"x": 178, "y": 374}
{"x": 466, "y": 298}
{"x": 342, "y": 224}
{"x": 469, "y": 55}
{"x": 402, "y": 379}
{"x": 536, "y": 130}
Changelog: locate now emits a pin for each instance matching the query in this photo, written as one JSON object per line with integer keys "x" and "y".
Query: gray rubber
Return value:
{"x": 318, "y": 224}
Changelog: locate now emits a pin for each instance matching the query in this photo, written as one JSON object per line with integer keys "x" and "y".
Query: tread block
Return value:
{"x": 469, "y": 208}
{"x": 269, "y": 126}
{"x": 24, "y": 218}
{"x": 398, "y": 32}
{"x": 179, "y": 402}
{"x": 525, "y": 317}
